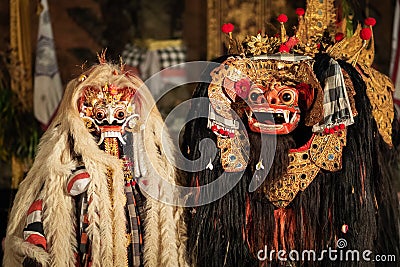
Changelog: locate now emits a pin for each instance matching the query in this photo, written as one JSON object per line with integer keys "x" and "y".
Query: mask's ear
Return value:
{"x": 228, "y": 87}
{"x": 223, "y": 120}
{"x": 310, "y": 94}
{"x": 234, "y": 77}
{"x": 237, "y": 90}
{"x": 306, "y": 96}
{"x": 229, "y": 84}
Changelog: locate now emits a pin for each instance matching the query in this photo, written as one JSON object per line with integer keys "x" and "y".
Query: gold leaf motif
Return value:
{"x": 367, "y": 55}
{"x": 319, "y": 16}
{"x": 300, "y": 173}
{"x": 326, "y": 150}
{"x": 379, "y": 91}
{"x": 347, "y": 47}
{"x": 257, "y": 45}
{"x": 234, "y": 152}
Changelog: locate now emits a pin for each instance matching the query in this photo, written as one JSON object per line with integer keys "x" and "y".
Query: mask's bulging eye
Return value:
{"x": 287, "y": 97}
{"x": 120, "y": 114}
{"x": 254, "y": 96}
{"x": 100, "y": 114}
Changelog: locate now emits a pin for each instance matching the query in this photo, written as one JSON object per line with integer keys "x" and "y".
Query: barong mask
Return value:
{"x": 280, "y": 115}
{"x": 108, "y": 111}
{"x": 271, "y": 94}
{"x": 330, "y": 115}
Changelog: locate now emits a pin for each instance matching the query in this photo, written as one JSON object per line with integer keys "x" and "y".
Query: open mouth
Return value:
{"x": 111, "y": 132}
{"x": 273, "y": 117}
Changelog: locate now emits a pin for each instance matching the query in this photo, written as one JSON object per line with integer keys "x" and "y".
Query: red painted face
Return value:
{"x": 271, "y": 93}
{"x": 272, "y": 108}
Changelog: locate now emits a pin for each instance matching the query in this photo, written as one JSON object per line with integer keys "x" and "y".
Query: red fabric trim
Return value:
{"x": 36, "y": 205}
{"x": 79, "y": 176}
{"x": 305, "y": 147}
{"x": 37, "y": 240}
{"x": 85, "y": 218}
{"x": 84, "y": 238}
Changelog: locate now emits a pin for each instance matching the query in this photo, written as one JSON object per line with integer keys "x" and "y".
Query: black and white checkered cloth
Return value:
{"x": 135, "y": 226}
{"x": 171, "y": 56}
{"x": 134, "y": 56}
{"x": 337, "y": 109}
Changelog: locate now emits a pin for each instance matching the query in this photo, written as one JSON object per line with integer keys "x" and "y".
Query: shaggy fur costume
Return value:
{"x": 164, "y": 239}
{"x": 232, "y": 230}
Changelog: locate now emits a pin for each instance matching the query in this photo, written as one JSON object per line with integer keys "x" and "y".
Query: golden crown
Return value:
{"x": 316, "y": 32}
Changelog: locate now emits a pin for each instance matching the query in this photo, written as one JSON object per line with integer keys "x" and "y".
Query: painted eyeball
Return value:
{"x": 100, "y": 114}
{"x": 288, "y": 97}
{"x": 120, "y": 113}
{"x": 254, "y": 94}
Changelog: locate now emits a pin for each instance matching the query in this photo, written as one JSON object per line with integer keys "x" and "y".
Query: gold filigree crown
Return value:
{"x": 316, "y": 32}
{"x": 108, "y": 94}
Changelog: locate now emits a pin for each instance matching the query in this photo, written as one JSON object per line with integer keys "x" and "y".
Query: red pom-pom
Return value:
{"x": 326, "y": 130}
{"x": 331, "y": 131}
{"x": 214, "y": 128}
{"x": 283, "y": 48}
{"x": 339, "y": 37}
{"x": 231, "y": 135}
{"x": 366, "y": 34}
{"x": 221, "y": 131}
{"x": 282, "y": 18}
{"x": 300, "y": 11}
{"x": 336, "y": 128}
{"x": 227, "y": 28}
{"x": 370, "y": 21}
{"x": 342, "y": 126}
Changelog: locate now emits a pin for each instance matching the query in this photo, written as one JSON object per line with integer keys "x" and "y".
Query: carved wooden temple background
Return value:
{"x": 248, "y": 17}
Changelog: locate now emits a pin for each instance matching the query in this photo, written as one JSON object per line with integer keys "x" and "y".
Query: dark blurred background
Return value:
{"x": 83, "y": 28}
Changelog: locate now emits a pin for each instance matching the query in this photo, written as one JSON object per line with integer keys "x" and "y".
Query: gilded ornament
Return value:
{"x": 380, "y": 93}
{"x": 300, "y": 173}
{"x": 234, "y": 152}
{"x": 324, "y": 152}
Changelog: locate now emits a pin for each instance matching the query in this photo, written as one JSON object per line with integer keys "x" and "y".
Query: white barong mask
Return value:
{"x": 108, "y": 111}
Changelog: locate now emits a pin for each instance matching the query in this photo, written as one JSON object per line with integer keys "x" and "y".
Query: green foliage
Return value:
{"x": 348, "y": 14}
{"x": 19, "y": 130}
